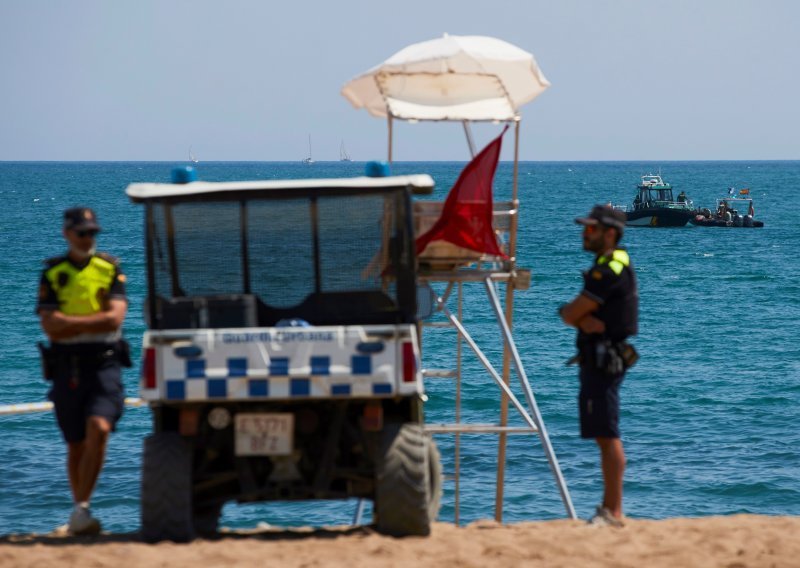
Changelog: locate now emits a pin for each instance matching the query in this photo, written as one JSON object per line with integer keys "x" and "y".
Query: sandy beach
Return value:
{"x": 737, "y": 541}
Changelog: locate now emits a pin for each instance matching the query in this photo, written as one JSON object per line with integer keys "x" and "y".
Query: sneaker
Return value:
{"x": 604, "y": 518}
{"x": 81, "y": 522}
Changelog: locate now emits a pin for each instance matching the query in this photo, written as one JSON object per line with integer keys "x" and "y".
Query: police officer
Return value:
{"x": 605, "y": 314}
{"x": 81, "y": 306}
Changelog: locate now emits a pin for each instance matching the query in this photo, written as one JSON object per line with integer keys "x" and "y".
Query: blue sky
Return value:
{"x": 250, "y": 80}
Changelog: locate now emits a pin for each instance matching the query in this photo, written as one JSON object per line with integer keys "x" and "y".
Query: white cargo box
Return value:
{"x": 280, "y": 363}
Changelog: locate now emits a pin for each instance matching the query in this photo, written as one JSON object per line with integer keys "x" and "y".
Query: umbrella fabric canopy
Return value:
{"x": 450, "y": 78}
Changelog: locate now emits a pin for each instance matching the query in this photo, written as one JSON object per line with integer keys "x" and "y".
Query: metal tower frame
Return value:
{"x": 461, "y": 269}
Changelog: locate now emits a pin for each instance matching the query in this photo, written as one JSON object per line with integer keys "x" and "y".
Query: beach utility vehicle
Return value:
{"x": 281, "y": 359}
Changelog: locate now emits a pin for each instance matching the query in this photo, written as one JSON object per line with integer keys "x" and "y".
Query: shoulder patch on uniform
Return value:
{"x": 622, "y": 256}
{"x": 597, "y": 275}
{"x": 616, "y": 266}
{"x": 54, "y": 260}
{"x": 108, "y": 258}
{"x": 121, "y": 278}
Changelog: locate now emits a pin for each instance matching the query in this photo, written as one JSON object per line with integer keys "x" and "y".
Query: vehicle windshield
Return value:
{"x": 335, "y": 259}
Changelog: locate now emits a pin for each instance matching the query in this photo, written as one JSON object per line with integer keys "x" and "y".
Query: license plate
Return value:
{"x": 264, "y": 434}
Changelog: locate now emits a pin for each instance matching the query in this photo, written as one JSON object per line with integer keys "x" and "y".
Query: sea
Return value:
{"x": 710, "y": 413}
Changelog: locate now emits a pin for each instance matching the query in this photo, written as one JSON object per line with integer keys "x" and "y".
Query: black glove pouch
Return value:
{"x": 50, "y": 361}
{"x": 123, "y": 353}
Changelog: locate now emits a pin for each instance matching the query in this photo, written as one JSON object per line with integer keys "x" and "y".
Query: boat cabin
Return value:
{"x": 653, "y": 192}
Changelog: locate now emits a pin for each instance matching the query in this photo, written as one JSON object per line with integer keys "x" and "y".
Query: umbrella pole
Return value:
{"x": 517, "y": 121}
{"x": 389, "y": 118}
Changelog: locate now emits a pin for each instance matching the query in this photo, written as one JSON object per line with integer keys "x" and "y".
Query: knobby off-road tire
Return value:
{"x": 166, "y": 498}
{"x": 408, "y": 489}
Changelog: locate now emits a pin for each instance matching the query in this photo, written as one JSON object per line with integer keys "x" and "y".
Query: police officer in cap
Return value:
{"x": 605, "y": 314}
{"x": 81, "y": 306}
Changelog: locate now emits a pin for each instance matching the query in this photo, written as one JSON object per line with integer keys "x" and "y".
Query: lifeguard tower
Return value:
{"x": 468, "y": 239}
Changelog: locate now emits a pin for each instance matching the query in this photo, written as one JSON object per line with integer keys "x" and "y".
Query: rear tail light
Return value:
{"x": 409, "y": 363}
{"x": 149, "y": 368}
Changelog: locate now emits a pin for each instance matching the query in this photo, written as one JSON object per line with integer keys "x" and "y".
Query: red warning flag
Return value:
{"x": 466, "y": 218}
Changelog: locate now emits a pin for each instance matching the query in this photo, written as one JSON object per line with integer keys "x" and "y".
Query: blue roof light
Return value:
{"x": 375, "y": 169}
{"x": 184, "y": 174}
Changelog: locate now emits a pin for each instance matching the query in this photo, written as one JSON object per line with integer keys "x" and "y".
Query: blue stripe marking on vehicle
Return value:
{"x": 320, "y": 365}
{"x": 361, "y": 364}
{"x": 217, "y": 388}
{"x": 258, "y": 387}
{"x": 340, "y": 389}
{"x": 279, "y": 366}
{"x": 237, "y": 367}
{"x": 299, "y": 387}
{"x": 382, "y": 388}
{"x": 196, "y": 368}
{"x": 176, "y": 390}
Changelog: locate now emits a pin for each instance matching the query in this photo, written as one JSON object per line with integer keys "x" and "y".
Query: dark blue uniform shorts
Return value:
{"x": 98, "y": 391}
{"x": 599, "y": 404}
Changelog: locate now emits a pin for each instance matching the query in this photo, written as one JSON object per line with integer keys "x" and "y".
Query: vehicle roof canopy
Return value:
{"x": 141, "y": 192}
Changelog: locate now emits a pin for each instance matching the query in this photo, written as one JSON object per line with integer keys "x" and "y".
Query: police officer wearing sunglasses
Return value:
{"x": 605, "y": 314}
{"x": 81, "y": 306}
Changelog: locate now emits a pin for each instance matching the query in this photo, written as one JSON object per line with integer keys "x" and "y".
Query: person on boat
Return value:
{"x": 605, "y": 314}
{"x": 727, "y": 216}
{"x": 682, "y": 197}
{"x": 81, "y": 306}
{"x": 637, "y": 202}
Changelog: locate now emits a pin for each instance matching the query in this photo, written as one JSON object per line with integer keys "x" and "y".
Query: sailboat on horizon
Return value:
{"x": 343, "y": 155}
{"x": 309, "y": 159}
{"x": 191, "y": 156}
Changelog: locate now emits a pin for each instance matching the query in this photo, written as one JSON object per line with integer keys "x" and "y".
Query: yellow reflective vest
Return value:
{"x": 82, "y": 291}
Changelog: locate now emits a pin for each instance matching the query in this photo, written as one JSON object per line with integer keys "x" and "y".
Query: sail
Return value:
{"x": 343, "y": 155}
{"x": 309, "y": 159}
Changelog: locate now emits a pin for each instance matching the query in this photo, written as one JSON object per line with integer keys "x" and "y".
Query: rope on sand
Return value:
{"x": 27, "y": 407}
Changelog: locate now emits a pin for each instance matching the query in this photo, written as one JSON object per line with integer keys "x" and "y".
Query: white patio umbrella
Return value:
{"x": 462, "y": 78}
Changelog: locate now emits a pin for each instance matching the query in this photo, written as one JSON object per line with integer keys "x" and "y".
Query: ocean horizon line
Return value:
{"x": 562, "y": 161}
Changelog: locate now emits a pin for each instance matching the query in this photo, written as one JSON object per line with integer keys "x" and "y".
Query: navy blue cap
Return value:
{"x": 604, "y": 215}
{"x": 80, "y": 218}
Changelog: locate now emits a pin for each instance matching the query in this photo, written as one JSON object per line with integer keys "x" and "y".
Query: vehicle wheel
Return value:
{"x": 166, "y": 498}
{"x": 408, "y": 488}
{"x": 206, "y": 520}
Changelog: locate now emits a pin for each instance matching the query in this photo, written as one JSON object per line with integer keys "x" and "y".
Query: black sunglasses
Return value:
{"x": 87, "y": 233}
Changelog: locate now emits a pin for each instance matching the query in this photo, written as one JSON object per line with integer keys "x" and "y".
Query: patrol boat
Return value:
{"x": 654, "y": 205}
